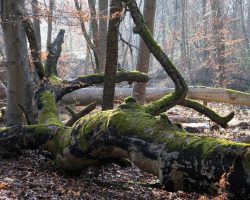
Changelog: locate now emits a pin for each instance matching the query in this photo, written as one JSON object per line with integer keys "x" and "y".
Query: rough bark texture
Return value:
{"x": 112, "y": 55}
{"x": 139, "y": 90}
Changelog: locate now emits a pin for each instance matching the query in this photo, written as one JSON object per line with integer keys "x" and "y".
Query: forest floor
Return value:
{"x": 33, "y": 175}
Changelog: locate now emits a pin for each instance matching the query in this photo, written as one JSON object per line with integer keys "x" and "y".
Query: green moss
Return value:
{"x": 131, "y": 120}
{"x": 160, "y": 105}
{"x": 48, "y": 114}
{"x": 62, "y": 139}
{"x": 55, "y": 80}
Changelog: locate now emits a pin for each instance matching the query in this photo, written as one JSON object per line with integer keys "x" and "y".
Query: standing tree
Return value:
{"x": 139, "y": 90}
{"x": 103, "y": 13}
{"x": 112, "y": 54}
{"x": 218, "y": 39}
{"x": 13, "y": 37}
{"x": 50, "y": 22}
{"x": 181, "y": 161}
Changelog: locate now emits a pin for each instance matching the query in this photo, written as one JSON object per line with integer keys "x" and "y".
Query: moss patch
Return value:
{"x": 131, "y": 120}
{"x": 48, "y": 114}
{"x": 55, "y": 80}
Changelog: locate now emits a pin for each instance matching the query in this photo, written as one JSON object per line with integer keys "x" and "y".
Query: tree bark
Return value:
{"x": 3, "y": 91}
{"x": 181, "y": 161}
{"x": 103, "y": 22}
{"x": 36, "y": 23}
{"x": 15, "y": 61}
{"x": 218, "y": 39}
{"x": 112, "y": 54}
{"x": 50, "y": 23}
{"x": 144, "y": 54}
{"x": 87, "y": 37}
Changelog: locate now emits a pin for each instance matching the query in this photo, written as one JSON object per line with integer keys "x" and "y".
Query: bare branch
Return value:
{"x": 76, "y": 116}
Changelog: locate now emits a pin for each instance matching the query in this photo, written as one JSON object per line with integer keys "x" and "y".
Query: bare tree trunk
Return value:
{"x": 184, "y": 43}
{"x": 248, "y": 17}
{"x": 50, "y": 21}
{"x": 86, "y": 36}
{"x": 112, "y": 55}
{"x": 244, "y": 30}
{"x": 218, "y": 38}
{"x": 103, "y": 12}
{"x": 36, "y": 23}
{"x": 95, "y": 32}
{"x": 15, "y": 61}
{"x": 144, "y": 54}
{"x": 205, "y": 53}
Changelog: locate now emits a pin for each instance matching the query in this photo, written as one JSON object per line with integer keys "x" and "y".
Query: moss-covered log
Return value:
{"x": 181, "y": 161}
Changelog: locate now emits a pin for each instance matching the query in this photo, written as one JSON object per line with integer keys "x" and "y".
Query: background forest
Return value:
{"x": 207, "y": 40}
{"x": 61, "y": 59}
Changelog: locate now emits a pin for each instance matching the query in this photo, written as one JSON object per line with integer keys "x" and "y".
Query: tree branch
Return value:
{"x": 35, "y": 53}
{"x": 76, "y": 116}
{"x": 55, "y": 50}
{"x": 86, "y": 81}
{"x": 180, "y": 85}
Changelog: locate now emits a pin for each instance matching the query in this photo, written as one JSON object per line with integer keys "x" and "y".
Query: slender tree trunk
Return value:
{"x": 244, "y": 30}
{"x": 36, "y": 23}
{"x": 94, "y": 24}
{"x": 144, "y": 54}
{"x": 248, "y": 17}
{"x": 184, "y": 43}
{"x": 112, "y": 55}
{"x": 50, "y": 21}
{"x": 218, "y": 39}
{"x": 86, "y": 35}
{"x": 15, "y": 61}
{"x": 205, "y": 52}
{"x": 95, "y": 32}
{"x": 28, "y": 76}
{"x": 103, "y": 12}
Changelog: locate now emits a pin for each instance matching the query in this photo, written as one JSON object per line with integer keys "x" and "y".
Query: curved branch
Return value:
{"x": 86, "y": 81}
{"x": 180, "y": 85}
{"x": 222, "y": 121}
{"x": 76, "y": 116}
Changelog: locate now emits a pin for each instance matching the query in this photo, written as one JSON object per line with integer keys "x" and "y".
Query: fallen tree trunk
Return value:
{"x": 181, "y": 161}
{"x": 87, "y": 95}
